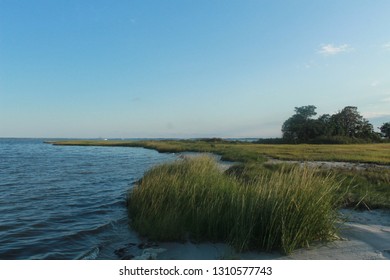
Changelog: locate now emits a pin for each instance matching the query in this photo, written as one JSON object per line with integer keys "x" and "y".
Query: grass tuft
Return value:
{"x": 190, "y": 198}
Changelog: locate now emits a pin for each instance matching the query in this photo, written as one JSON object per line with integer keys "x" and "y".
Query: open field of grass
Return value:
{"x": 192, "y": 198}
{"x": 249, "y": 152}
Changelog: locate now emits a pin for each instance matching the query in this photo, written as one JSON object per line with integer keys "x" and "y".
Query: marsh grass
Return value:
{"x": 190, "y": 198}
{"x": 251, "y": 152}
{"x": 365, "y": 189}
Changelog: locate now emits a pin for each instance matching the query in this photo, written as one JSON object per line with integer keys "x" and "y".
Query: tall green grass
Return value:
{"x": 191, "y": 198}
{"x": 365, "y": 189}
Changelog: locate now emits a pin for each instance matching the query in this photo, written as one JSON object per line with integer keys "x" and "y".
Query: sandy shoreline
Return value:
{"x": 364, "y": 236}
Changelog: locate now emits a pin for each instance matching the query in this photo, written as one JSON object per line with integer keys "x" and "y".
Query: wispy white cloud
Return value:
{"x": 307, "y": 65}
{"x": 310, "y": 64}
{"x": 374, "y": 83}
{"x": 330, "y": 49}
{"x": 386, "y": 100}
{"x": 386, "y": 46}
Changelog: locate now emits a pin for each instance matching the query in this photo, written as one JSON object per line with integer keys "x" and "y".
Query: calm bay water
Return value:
{"x": 59, "y": 202}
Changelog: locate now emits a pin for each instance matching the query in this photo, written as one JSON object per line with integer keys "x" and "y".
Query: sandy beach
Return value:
{"x": 365, "y": 235}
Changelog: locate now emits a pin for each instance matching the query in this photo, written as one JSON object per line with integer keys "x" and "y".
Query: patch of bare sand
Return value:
{"x": 363, "y": 236}
{"x": 330, "y": 164}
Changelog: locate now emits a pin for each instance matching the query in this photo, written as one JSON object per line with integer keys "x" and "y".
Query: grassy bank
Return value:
{"x": 250, "y": 152}
{"x": 366, "y": 189}
{"x": 284, "y": 210}
{"x": 360, "y": 189}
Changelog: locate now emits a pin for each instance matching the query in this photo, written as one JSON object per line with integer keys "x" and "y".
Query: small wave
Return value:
{"x": 82, "y": 233}
{"x": 86, "y": 172}
{"x": 13, "y": 184}
{"x": 120, "y": 202}
{"x": 90, "y": 255}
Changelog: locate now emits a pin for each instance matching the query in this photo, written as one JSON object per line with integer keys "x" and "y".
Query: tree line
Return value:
{"x": 345, "y": 126}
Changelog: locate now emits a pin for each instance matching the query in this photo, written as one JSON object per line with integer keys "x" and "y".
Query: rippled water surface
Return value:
{"x": 59, "y": 202}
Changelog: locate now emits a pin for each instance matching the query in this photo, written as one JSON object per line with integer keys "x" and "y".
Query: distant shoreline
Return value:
{"x": 378, "y": 153}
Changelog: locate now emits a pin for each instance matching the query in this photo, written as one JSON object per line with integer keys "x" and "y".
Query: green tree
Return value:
{"x": 348, "y": 122}
{"x": 324, "y": 125}
{"x": 385, "y": 130}
{"x": 300, "y": 127}
{"x": 306, "y": 112}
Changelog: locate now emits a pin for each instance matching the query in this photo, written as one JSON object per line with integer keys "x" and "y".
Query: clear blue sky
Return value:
{"x": 184, "y": 68}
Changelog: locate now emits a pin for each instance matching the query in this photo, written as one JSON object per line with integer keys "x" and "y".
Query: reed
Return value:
{"x": 192, "y": 199}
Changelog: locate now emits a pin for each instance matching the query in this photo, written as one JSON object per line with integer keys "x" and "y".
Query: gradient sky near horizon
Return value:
{"x": 181, "y": 68}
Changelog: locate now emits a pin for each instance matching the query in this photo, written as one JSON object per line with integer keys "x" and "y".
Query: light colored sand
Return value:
{"x": 365, "y": 236}
{"x": 331, "y": 164}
